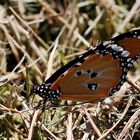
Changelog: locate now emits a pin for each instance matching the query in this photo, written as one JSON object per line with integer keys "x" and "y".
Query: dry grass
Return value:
{"x": 39, "y": 37}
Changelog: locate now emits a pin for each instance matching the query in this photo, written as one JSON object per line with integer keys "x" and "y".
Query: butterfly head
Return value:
{"x": 44, "y": 90}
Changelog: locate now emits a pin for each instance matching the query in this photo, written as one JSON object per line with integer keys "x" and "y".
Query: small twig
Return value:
{"x": 129, "y": 124}
{"x": 32, "y": 124}
{"x": 63, "y": 22}
{"x": 50, "y": 61}
{"x": 47, "y": 131}
{"x": 128, "y": 18}
{"x": 92, "y": 24}
{"x": 30, "y": 29}
{"x": 92, "y": 123}
{"x": 69, "y": 127}
{"x": 123, "y": 114}
{"x": 133, "y": 84}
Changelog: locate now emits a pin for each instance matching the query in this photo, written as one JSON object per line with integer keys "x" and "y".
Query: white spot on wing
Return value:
{"x": 93, "y": 87}
{"x": 106, "y": 43}
{"x": 125, "y": 53}
{"x": 78, "y": 64}
{"x": 117, "y": 48}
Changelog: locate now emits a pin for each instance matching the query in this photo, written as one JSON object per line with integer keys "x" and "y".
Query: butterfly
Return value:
{"x": 96, "y": 74}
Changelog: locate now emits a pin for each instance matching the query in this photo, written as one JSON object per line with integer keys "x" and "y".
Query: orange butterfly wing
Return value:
{"x": 91, "y": 80}
{"x": 132, "y": 45}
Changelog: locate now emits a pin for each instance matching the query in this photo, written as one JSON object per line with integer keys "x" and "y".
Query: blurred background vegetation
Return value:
{"x": 39, "y": 36}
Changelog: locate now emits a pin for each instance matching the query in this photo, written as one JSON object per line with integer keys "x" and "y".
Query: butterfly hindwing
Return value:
{"x": 92, "y": 79}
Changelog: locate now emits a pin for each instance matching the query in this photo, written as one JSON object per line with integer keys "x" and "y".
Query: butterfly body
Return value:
{"x": 96, "y": 74}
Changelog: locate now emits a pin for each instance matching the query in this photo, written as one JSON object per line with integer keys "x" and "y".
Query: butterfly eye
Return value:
{"x": 95, "y": 74}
